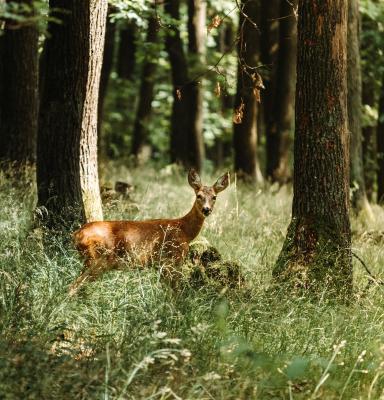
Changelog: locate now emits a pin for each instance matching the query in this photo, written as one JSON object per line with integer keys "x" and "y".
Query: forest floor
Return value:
{"x": 128, "y": 336}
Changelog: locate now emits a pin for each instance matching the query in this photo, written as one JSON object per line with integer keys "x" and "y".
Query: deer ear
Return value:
{"x": 194, "y": 179}
{"x": 221, "y": 183}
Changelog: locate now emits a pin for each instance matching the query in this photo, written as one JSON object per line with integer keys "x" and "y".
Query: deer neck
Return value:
{"x": 192, "y": 223}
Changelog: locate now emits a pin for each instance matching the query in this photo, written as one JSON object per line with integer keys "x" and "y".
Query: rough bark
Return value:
{"x": 109, "y": 49}
{"x": 126, "y": 57}
{"x": 19, "y": 92}
{"x": 179, "y": 72}
{"x": 67, "y": 178}
{"x": 140, "y": 134}
{"x": 196, "y": 48}
{"x": 269, "y": 49}
{"x": 184, "y": 143}
{"x": 279, "y": 142}
{"x": 359, "y": 198}
{"x": 380, "y": 148}
{"x": 316, "y": 254}
{"x": 222, "y": 148}
{"x": 369, "y": 157}
{"x": 245, "y": 127}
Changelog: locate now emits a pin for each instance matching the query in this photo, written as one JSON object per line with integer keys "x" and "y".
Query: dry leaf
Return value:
{"x": 256, "y": 93}
{"x": 257, "y": 85}
{"x": 218, "y": 89}
{"x": 257, "y": 81}
{"x": 215, "y": 23}
{"x": 238, "y": 113}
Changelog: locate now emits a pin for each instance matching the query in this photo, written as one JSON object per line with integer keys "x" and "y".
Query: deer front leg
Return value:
{"x": 93, "y": 268}
{"x": 171, "y": 272}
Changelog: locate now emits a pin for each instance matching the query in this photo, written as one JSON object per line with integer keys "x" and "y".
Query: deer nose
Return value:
{"x": 206, "y": 211}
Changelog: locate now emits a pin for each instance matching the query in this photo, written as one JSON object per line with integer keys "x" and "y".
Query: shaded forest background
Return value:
{"x": 196, "y": 83}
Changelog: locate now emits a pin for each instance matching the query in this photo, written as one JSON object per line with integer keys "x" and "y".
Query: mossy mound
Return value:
{"x": 207, "y": 268}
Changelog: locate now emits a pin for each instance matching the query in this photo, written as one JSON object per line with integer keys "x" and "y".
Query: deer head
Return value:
{"x": 206, "y": 195}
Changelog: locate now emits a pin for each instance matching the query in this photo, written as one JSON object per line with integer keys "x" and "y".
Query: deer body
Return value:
{"x": 104, "y": 243}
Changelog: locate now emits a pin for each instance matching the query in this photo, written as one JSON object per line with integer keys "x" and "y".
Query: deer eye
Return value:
{"x": 214, "y": 197}
{"x": 199, "y": 196}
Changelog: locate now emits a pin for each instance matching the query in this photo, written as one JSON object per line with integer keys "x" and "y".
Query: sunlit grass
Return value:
{"x": 129, "y": 336}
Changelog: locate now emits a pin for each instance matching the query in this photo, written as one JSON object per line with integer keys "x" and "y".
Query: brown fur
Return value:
{"x": 104, "y": 243}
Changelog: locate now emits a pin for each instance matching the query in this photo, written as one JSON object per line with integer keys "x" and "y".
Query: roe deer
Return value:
{"x": 102, "y": 243}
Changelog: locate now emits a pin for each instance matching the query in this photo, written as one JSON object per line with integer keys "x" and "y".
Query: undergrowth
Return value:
{"x": 128, "y": 336}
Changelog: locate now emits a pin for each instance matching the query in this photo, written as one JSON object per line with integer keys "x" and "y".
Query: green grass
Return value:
{"x": 127, "y": 336}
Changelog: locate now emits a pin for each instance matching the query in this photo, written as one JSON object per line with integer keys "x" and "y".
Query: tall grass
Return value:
{"x": 128, "y": 336}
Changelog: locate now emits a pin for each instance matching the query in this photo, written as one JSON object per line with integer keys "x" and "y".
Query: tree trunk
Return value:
{"x": 359, "y": 198}
{"x": 126, "y": 58}
{"x": 19, "y": 100}
{"x": 184, "y": 143}
{"x": 226, "y": 42}
{"x": 109, "y": 49}
{"x": 316, "y": 254}
{"x": 67, "y": 178}
{"x": 380, "y": 148}
{"x": 140, "y": 134}
{"x": 179, "y": 118}
{"x": 196, "y": 47}
{"x": 280, "y": 143}
{"x": 246, "y": 101}
{"x": 222, "y": 148}
{"x": 369, "y": 156}
{"x": 269, "y": 46}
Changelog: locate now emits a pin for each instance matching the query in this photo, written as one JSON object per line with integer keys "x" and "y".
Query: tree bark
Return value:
{"x": 126, "y": 57}
{"x": 179, "y": 118}
{"x": 316, "y": 254}
{"x": 67, "y": 177}
{"x": 246, "y": 102}
{"x": 109, "y": 50}
{"x": 184, "y": 142}
{"x": 357, "y": 183}
{"x": 196, "y": 48}
{"x": 140, "y": 134}
{"x": 269, "y": 49}
{"x": 380, "y": 148}
{"x": 369, "y": 132}
{"x": 280, "y": 142}
{"x": 19, "y": 101}
{"x": 222, "y": 148}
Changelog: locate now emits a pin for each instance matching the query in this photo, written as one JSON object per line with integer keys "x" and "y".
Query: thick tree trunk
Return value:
{"x": 369, "y": 156}
{"x": 67, "y": 178}
{"x": 19, "y": 100}
{"x": 196, "y": 47}
{"x": 269, "y": 49}
{"x": 280, "y": 142}
{"x": 126, "y": 57}
{"x": 140, "y": 134}
{"x": 109, "y": 49}
{"x": 222, "y": 149}
{"x": 380, "y": 148}
{"x": 317, "y": 251}
{"x": 179, "y": 71}
{"x": 359, "y": 198}
{"x": 246, "y": 101}
{"x": 184, "y": 143}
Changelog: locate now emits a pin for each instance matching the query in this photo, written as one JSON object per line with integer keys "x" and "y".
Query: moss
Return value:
{"x": 315, "y": 257}
{"x": 206, "y": 268}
